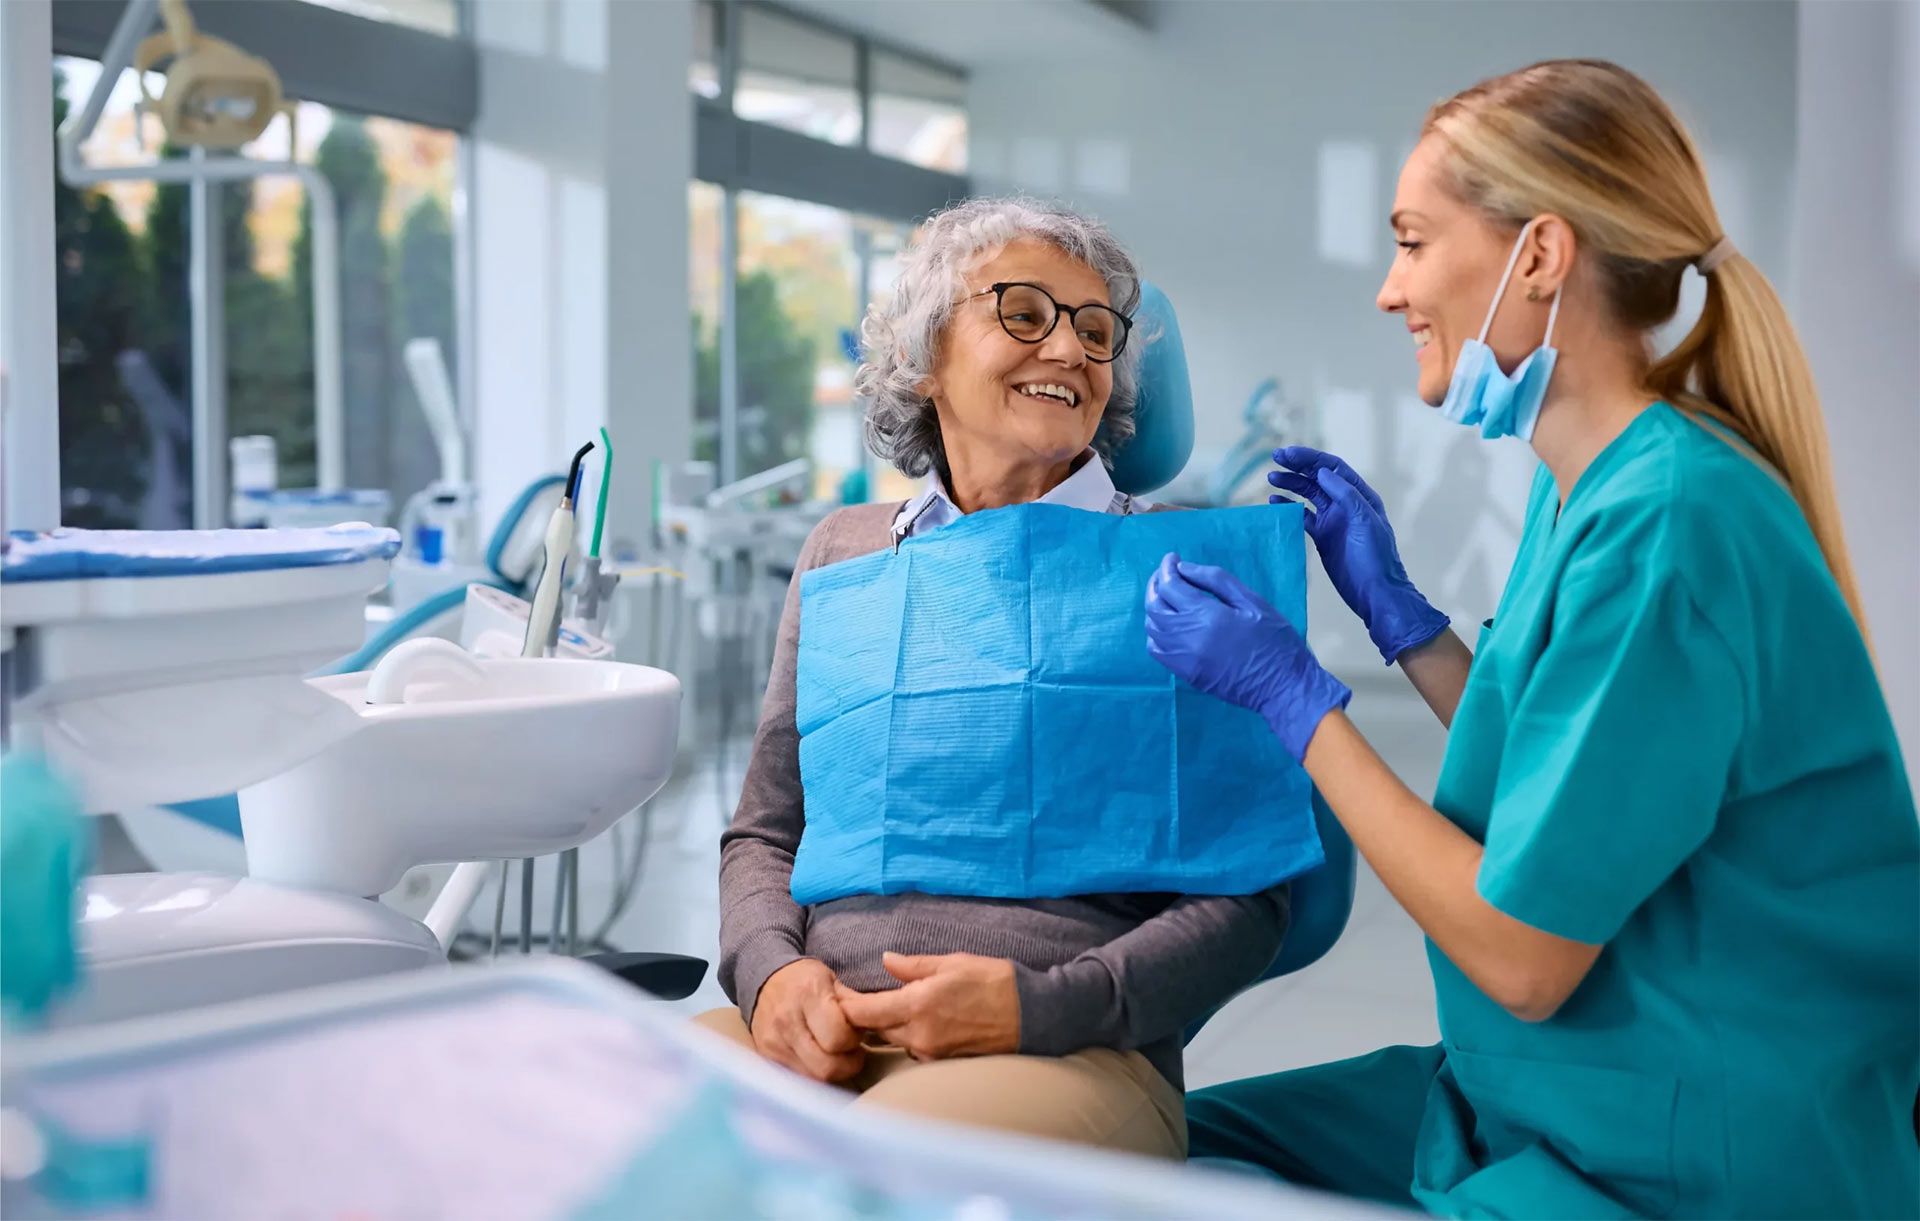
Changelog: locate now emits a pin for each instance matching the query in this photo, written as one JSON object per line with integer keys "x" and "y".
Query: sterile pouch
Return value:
{"x": 978, "y": 715}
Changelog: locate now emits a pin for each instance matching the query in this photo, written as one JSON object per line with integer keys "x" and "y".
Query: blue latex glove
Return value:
{"x": 1211, "y": 630}
{"x": 1350, "y": 530}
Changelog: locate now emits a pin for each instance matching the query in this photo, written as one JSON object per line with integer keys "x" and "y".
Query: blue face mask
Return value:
{"x": 1482, "y": 396}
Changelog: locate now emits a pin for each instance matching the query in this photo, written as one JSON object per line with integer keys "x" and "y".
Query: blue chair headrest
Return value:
{"x": 1163, "y": 413}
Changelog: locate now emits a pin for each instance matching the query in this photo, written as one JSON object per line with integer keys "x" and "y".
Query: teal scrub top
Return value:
{"x": 1672, "y": 743}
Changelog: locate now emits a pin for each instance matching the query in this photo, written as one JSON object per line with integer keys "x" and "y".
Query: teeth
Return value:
{"x": 1421, "y": 338}
{"x": 1049, "y": 390}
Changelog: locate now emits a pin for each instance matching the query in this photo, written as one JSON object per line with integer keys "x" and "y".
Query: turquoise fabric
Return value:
{"x": 979, "y": 716}
{"x": 43, "y": 855}
{"x": 1672, "y": 743}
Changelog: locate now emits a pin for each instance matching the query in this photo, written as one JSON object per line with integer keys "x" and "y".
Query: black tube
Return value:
{"x": 526, "y": 906}
{"x": 573, "y": 472}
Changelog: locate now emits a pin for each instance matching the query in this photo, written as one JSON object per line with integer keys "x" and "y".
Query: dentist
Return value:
{"x": 1670, "y": 876}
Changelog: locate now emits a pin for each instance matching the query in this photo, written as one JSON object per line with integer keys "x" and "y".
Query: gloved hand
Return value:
{"x": 1213, "y": 631}
{"x": 1350, "y": 530}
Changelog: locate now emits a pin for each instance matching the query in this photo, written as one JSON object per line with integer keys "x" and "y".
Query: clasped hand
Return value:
{"x": 947, "y": 1005}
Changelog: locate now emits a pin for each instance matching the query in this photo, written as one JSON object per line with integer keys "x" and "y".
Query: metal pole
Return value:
{"x": 559, "y": 902}
{"x": 329, "y": 413}
{"x": 134, "y": 23}
{"x": 863, "y": 89}
{"x": 206, "y": 279}
{"x": 729, "y": 440}
{"x": 449, "y": 908}
{"x": 729, "y": 337}
{"x": 526, "y": 905}
{"x": 573, "y": 900}
{"x": 29, "y": 339}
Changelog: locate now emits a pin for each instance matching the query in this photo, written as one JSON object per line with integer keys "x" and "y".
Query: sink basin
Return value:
{"x": 504, "y": 758}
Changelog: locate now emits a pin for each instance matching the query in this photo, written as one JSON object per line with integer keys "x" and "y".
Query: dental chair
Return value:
{"x": 1322, "y": 900}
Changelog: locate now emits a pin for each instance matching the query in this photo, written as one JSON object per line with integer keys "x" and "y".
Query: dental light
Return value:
{"x": 216, "y": 96}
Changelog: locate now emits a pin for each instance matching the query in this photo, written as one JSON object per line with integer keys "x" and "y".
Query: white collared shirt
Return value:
{"x": 1090, "y": 488}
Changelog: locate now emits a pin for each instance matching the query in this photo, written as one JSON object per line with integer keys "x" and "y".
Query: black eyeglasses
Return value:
{"x": 1029, "y": 313}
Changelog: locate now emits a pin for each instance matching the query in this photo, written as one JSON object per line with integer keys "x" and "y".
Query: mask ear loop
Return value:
{"x": 1500, "y": 293}
{"x": 1553, "y": 314}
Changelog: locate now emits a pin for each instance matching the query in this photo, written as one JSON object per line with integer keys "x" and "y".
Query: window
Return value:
{"x": 804, "y": 259}
{"x": 798, "y": 298}
{"x": 125, "y": 449}
{"x": 919, "y": 112}
{"x": 797, "y": 76}
{"x": 885, "y": 244}
{"x": 796, "y": 292}
{"x": 124, "y": 313}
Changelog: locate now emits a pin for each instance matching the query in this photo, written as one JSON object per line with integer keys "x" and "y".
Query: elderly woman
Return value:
{"x": 1002, "y": 371}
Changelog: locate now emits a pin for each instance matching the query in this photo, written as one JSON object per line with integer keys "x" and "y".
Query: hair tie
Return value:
{"x": 1716, "y": 254}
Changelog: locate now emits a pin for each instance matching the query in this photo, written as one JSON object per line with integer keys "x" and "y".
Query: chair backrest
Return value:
{"x": 1321, "y": 902}
{"x": 1163, "y": 414}
{"x": 1322, "y": 899}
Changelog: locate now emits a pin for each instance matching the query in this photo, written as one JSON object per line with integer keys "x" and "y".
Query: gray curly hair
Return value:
{"x": 900, "y": 342}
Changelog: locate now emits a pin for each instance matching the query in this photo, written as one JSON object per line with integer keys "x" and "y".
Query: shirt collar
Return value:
{"x": 1090, "y": 488}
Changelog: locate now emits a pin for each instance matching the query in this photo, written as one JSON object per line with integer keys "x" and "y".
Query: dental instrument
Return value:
{"x": 543, "y": 625}
{"x": 543, "y": 633}
{"x": 593, "y": 588}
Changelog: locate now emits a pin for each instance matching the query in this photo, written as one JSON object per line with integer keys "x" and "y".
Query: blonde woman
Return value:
{"x": 1670, "y": 876}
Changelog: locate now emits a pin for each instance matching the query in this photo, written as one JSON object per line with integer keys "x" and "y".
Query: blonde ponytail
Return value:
{"x": 1742, "y": 364}
{"x": 1592, "y": 143}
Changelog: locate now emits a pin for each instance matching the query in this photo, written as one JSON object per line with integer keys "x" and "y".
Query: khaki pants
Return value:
{"x": 1112, "y": 1099}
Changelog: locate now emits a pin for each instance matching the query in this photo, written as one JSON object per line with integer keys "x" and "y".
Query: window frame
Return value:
{"x": 737, "y": 154}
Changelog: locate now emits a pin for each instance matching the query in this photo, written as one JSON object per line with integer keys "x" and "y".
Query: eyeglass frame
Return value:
{"x": 999, "y": 291}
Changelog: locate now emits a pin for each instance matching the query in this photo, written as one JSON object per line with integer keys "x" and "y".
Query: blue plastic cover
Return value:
{"x": 979, "y": 716}
{"x": 67, "y": 555}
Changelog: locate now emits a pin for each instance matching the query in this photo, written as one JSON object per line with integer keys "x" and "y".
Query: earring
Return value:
{"x": 1533, "y": 294}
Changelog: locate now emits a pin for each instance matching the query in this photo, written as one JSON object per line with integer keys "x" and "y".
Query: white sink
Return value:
{"x": 480, "y": 759}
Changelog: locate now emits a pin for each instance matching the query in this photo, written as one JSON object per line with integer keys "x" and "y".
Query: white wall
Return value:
{"x": 1248, "y": 158}
{"x": 582, "y": 154}
{"x": 29, "y": 375}
{"x": 1856, "y": 300}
